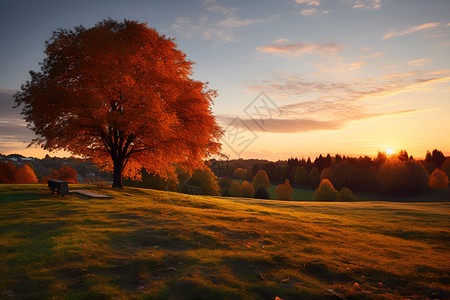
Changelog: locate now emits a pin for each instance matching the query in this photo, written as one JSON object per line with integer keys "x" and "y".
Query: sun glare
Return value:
{"x": 389, "y": 151}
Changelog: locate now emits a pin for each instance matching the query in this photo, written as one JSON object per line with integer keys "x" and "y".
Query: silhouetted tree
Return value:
{"x": 314, "y": 178}
{"x": 417, "y": 178}
{"x": 301, "y": 176}
{"x": 402, "y": 155}
{"x": 436, "y": 157}
{"x": 446, "y": 167}
{"x": 325, "y": 174}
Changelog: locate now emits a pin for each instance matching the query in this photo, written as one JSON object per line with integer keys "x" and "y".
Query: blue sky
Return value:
{"x": 343, "y": 76}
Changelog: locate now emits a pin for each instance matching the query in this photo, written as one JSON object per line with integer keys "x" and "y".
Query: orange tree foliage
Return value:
{"x": 120, "y": 94}
{"x": 235, "y": 189}
{"x": 8, "y": 172}
{"x": 66, "y": 173}
{"x": 261, "y": 179}
{"x": 403, "y": 178}
{"x": 26, "y": 175}
{"x": 325, "y": 191}
{"x": 446, "y": 167}
{"x": 438, "y": 179}
{"x": 284, "y": 191}
{"x": 247, "y": 190}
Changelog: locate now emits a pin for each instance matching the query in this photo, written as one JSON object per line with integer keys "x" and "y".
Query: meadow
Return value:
{"x": 148, "y": 244}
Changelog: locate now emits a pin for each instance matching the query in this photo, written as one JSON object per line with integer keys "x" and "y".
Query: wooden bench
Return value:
{"x": 59, "y": 186}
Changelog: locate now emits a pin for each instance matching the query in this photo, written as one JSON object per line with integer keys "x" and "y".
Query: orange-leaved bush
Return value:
{"x": 438, "y": 180}
{"x": 247, "y": 190}
{"x": 284, "y": 191}
{"x": 66, "y": 173}
{"x": 121, "y": 94}
{"x": 261, "y": 179}
{"x": 235, "y": 189}
{"x": 325, "y": 191}
{"x": 26, "y": 175}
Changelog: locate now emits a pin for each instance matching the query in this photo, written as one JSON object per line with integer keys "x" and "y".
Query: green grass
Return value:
{"x": 157, "y": 245}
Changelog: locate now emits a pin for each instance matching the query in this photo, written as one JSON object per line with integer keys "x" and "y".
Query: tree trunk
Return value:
{"x": 117, "y": 176}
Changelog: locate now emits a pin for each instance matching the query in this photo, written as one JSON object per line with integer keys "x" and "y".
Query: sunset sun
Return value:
{"x": 389, "y": 151}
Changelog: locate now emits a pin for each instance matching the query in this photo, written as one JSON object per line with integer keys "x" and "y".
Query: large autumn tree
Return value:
{"x": 120, "y": 94}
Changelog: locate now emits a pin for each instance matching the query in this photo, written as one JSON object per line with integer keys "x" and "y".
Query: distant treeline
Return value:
{"x": 395, "y": 174}
{"x": 72, "y": 169}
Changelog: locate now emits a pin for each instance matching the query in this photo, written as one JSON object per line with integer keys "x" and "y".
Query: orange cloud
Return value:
{"x": 419, "y": 62}
{"x": 308, "y": 2}
{"x": 282, "y": 47}
{"x": 393, "y": 33}
{"x": 333, "y": 104}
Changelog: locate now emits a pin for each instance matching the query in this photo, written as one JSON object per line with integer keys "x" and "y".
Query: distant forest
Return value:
{"x": 397, "y": 174}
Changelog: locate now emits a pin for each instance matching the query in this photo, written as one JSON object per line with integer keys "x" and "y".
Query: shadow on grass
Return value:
{"x": 17, "y": 197}
{"x": 163, "y": 238}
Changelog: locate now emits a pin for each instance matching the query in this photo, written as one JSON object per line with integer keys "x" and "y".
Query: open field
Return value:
{"x": 158, "y": 245}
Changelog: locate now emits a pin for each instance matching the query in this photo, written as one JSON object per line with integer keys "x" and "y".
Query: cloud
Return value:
{"x": 411, "y": 29}
{"x": 308, "y": 2}
{"x": 372, "y": 55}
{"x": 311, "y": 7}
{"x": 283, "y": 47}
{"x": 340, "y": 67}
{"x": 418, "y": 62}
{"x": 14, "y": 135}
{"x": 217, "y": 23}
{"x": 299, "y": 124}
{"x": 331, "y": 105}
{"x": 364, "y": 4}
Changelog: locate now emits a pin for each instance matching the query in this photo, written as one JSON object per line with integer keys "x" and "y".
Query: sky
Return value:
{"x": 294, "y": 78}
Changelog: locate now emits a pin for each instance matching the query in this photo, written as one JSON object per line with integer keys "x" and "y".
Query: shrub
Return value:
{"x": 438, "y": 180}
{"x": 325, "y": 191}
{"x": 345, "y": 195}
{"x": 261, "y": 179}
{"x": 314, "y": 177}
{"x": 235, "y": 189}
{"x": 261, "y": 193}
{"x": 247, "y": 190}
{"x": 284, "y": 191}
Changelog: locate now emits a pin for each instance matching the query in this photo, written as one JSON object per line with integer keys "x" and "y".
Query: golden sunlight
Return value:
{"x": 389, "y": 151}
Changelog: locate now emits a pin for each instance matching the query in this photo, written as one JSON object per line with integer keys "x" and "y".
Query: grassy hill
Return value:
{"x": 160, "y": 245}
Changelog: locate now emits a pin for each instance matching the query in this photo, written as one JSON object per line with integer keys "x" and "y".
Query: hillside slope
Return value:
{"x": 160, "y": 245}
